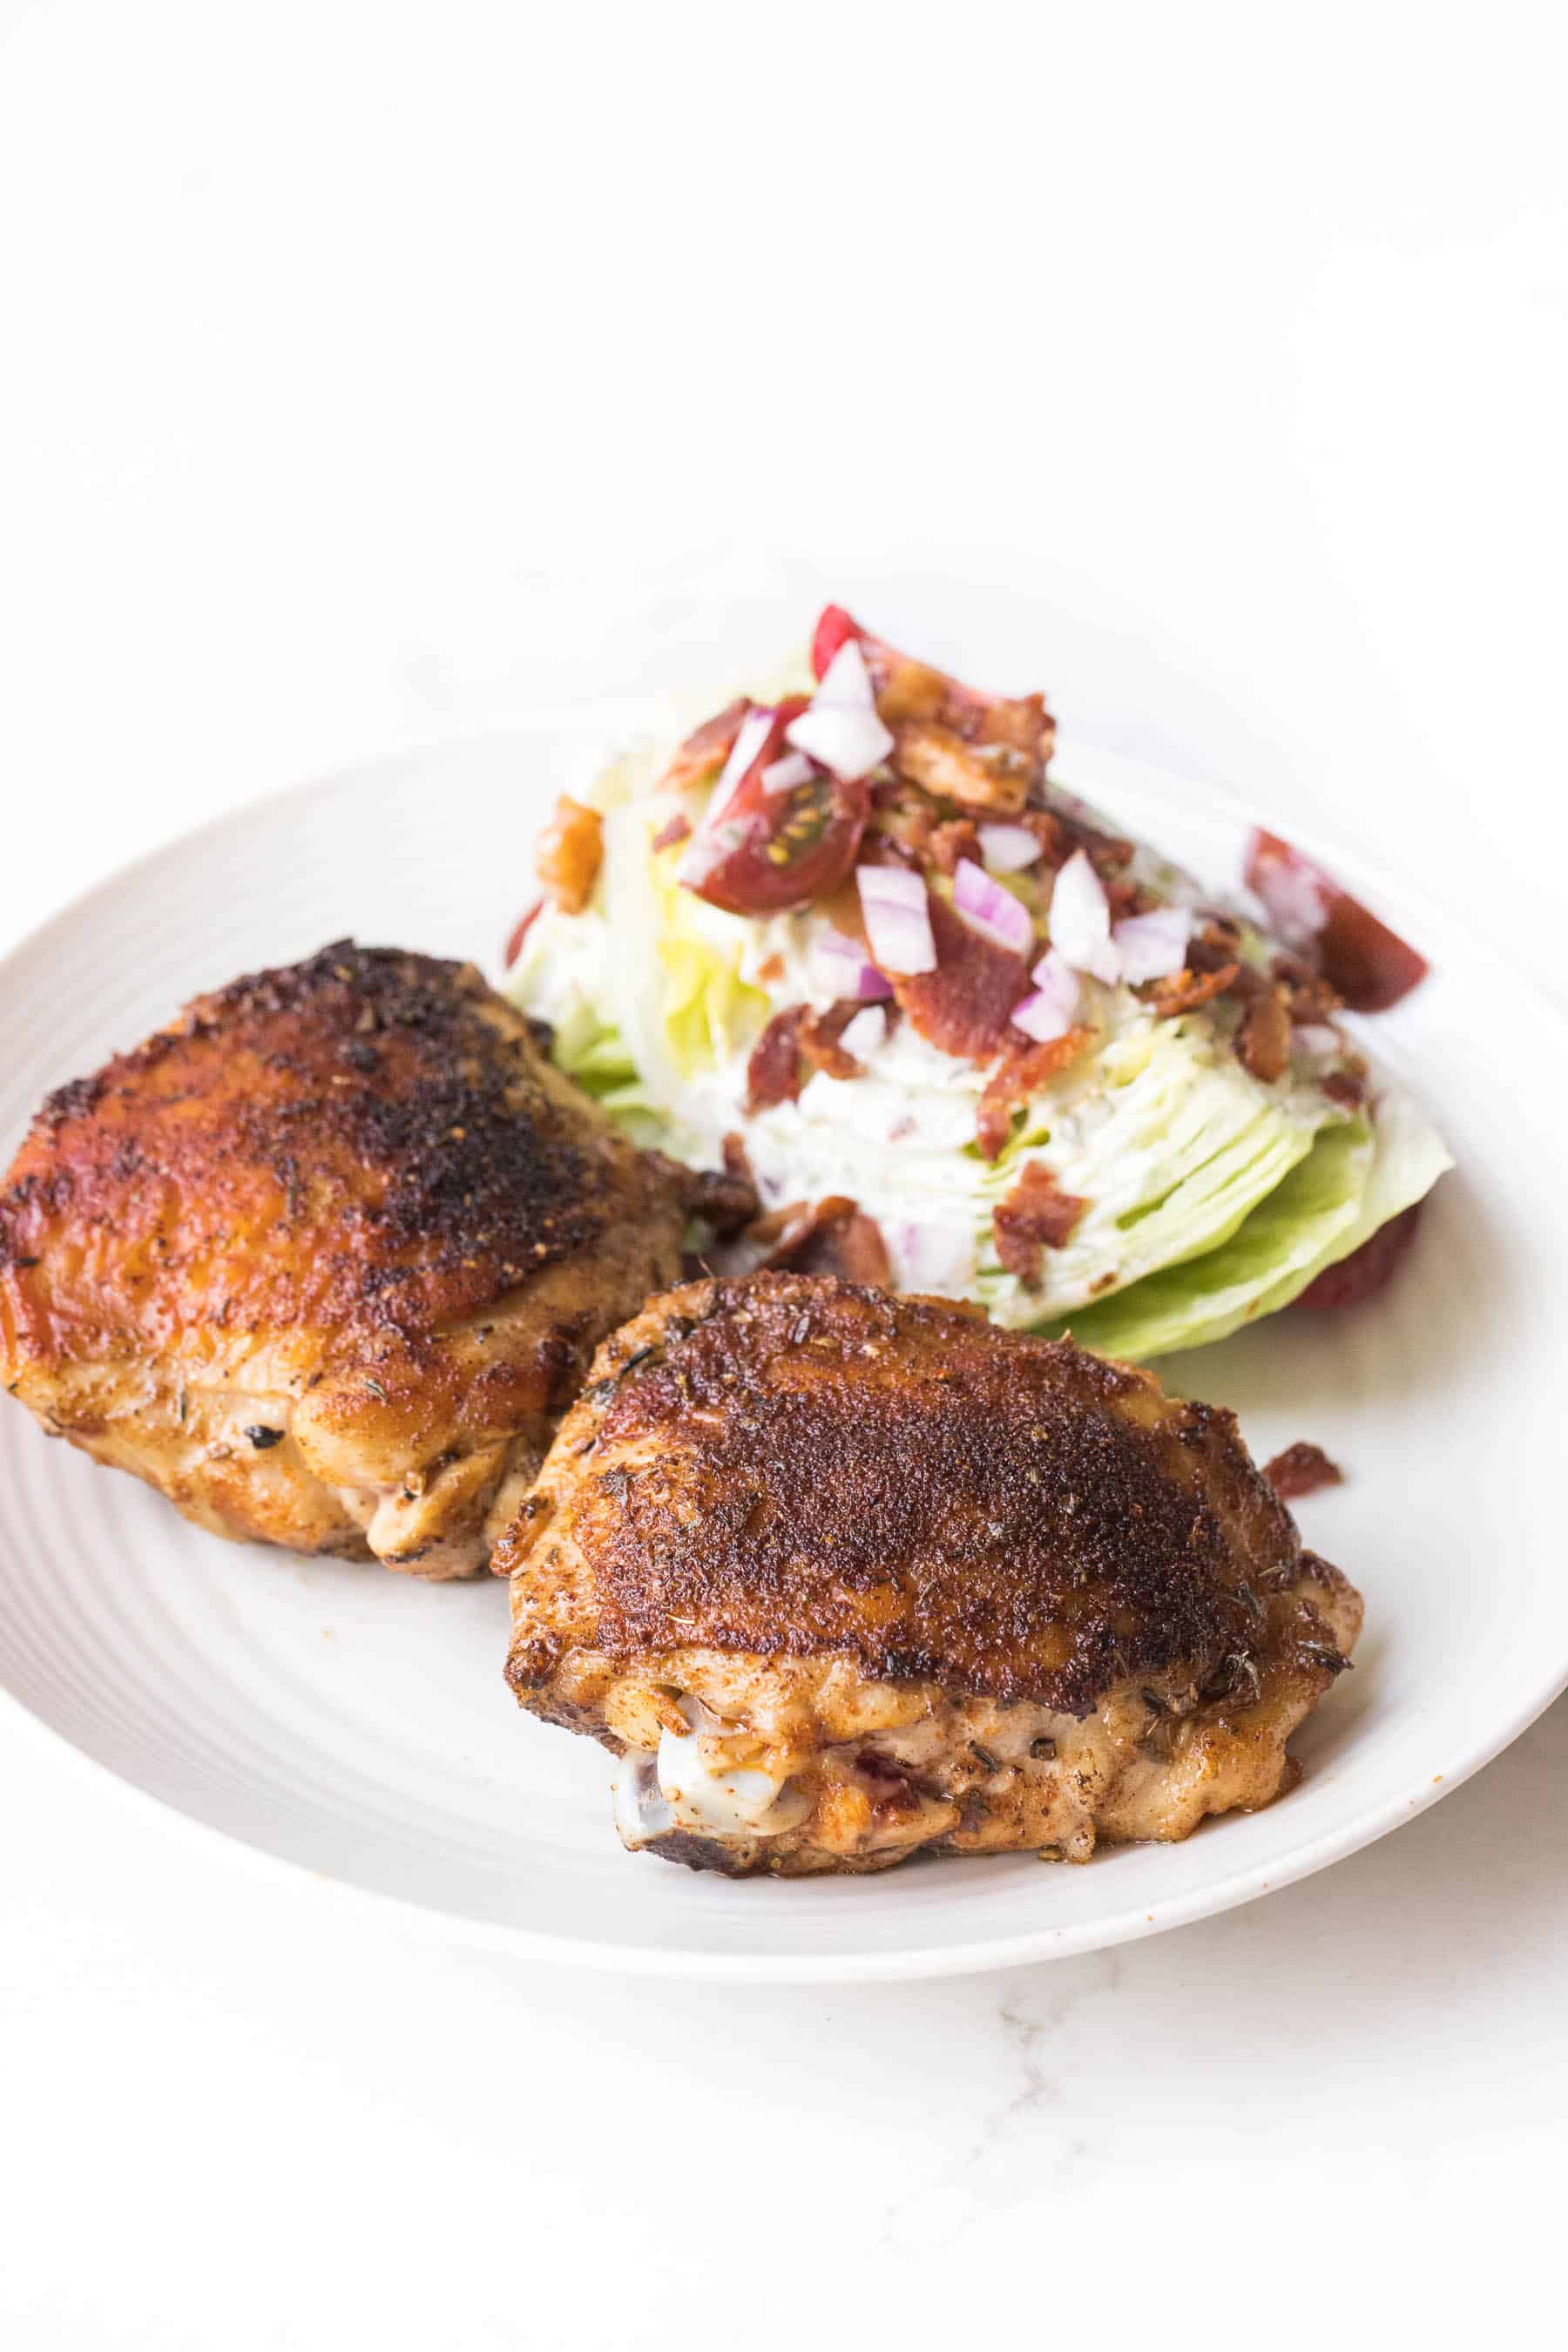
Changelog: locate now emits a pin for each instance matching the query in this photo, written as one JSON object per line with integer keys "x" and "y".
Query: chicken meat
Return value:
{"x": 842, "y": 1577}
{"x": 325, "y": 1259}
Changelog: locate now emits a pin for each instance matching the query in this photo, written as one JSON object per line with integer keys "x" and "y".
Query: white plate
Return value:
{"x": 355, "y": 1724}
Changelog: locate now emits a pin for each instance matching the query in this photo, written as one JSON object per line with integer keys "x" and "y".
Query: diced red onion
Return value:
{"x": 865, "y": 1034}
{"x": 1040, "y": 1016}
{"x": 1318, "y": 1037}
{"x": 847, "y": 682}
{"x": 1056, "y": 979}
{"x": 1152, "y": 946}
{"x": 1297, "y": 909}
{"x": 1081, "y": 919}
{"x": 784, "y": 775}
{"x": 840, "y": 965}
{"x": 753, "y": 734}
{"x": 841, "y": 737}
{"x": 897, "y": 911}
{"x": 990, "y": 907}
{"x": 1008, "y": 848}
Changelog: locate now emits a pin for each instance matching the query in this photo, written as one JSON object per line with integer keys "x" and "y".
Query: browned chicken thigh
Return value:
{"x": 325, "y": 1259}
{"x": 842, "y": 1577}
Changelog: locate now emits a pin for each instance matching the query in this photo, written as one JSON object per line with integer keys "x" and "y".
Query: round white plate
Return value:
{"x": 355, "y": 1724}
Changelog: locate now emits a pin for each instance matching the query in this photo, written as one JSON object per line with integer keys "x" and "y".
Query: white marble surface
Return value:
{"x": 375, "y": 372}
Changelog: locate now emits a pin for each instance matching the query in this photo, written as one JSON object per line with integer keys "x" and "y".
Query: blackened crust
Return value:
{"x": 804, "y": 1467}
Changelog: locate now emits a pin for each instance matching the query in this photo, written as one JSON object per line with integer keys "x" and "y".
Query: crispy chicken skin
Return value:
{"x": 842, "y": 1577}
{"x": 325, "y": 1259}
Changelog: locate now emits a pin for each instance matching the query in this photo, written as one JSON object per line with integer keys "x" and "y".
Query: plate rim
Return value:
{"x": 1102, "y": 765}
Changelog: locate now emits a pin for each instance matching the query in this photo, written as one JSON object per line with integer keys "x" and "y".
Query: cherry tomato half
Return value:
{"x": 905, "y": 689}
{"x": 1366, "y": 1270}
{"x": 760, "y": 852}
{"x": 1371, "y": 966}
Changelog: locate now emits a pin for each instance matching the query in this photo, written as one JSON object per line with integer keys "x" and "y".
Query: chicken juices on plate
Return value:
{"x": 325, "y": 1259}
{"x": 842, "y": 1577}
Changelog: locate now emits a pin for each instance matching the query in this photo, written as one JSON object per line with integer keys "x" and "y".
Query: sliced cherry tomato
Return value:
{"x": 520, "y": 932}
{"x": 1371, "y": 966}
{"x": 1366, "y": 1270}
{"x": 762, "y": 851}
{"x": 912, "y": 696}
{"x": 833, "y": 632}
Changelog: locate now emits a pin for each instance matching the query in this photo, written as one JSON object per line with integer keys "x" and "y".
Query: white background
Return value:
{"x": 371, "y": 372}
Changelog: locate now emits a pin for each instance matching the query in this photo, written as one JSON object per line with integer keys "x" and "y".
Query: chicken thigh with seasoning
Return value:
{"x": 325, "y": 1259}
{"x": 842, "y": 1577}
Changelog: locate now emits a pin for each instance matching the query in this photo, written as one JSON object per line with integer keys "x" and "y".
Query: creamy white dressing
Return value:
{"x": 1158, "y": 1128}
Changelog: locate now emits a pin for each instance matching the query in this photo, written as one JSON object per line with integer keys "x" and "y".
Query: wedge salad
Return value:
{"x": 961, "y": 1035}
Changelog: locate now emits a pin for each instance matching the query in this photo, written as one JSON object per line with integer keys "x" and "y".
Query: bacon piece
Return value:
{"x": 569, "y": 852}
{"x": 1263, "y": 1040}
{"x": 1301, "y": 1469}
{"x": 963, "y": 1005}
{"x": 819, "y": 1037}
{"x": 1036, "y": 1215}
{"x": 829, "y": 1236}
{"x": 738, "y": 1160}
{"x": 1308, "y": 994}
{"x": 959, "y": 837}
{"x": 774, "y": 1073}
{"x": 705, "y": 751}
{"x": 1185, "y": 989}
{"x": 1050, "y": 831}
{"x": 1342, "y": 1087}
{"x": 950, "y": 765}
{"x": 912, "y": 693}
{"x": 725, "y": 1199}
{"x": 1024, "y": 1071}
{"x": 1107, "y": 853}
{"x": 677, "y": 829}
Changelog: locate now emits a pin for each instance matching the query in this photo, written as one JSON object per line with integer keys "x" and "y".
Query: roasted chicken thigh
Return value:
{"x": 325, "y": 1259}
{"x": 841, "y": 1577}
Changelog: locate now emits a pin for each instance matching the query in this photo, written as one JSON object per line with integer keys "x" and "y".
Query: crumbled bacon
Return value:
{"x": 1342, "y": 1087}
{"x": 1301, "y": 1469}
{"x": 1107, "y": 853}
{"x": 1218, "y": 943}
{"x": 1050, "y": 832}
{"x": 773, "y": 1074}
{"x": 829, "y": 1236}
{"x": 959, "y": 837}
{"x": 1127, "y": 897}
{"x": 571, "y": 849}
{"x": 1263, "y": 1040}
{"x": 1022, "y": 1072}
{"x": 737, "y": 1159}
{"x": 1310, "y": 996}
{"x": 1185, "y": 989}
{"x": 963, "y": 1006}
{"x": 954, "y": 767}
{"x": 725, "y": 1199}
{"x": 677, "y": 829}
{"x": 1036, "y": 1215}
{"x": 819, "y": 1036}
{"x": 705, "y": 751}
